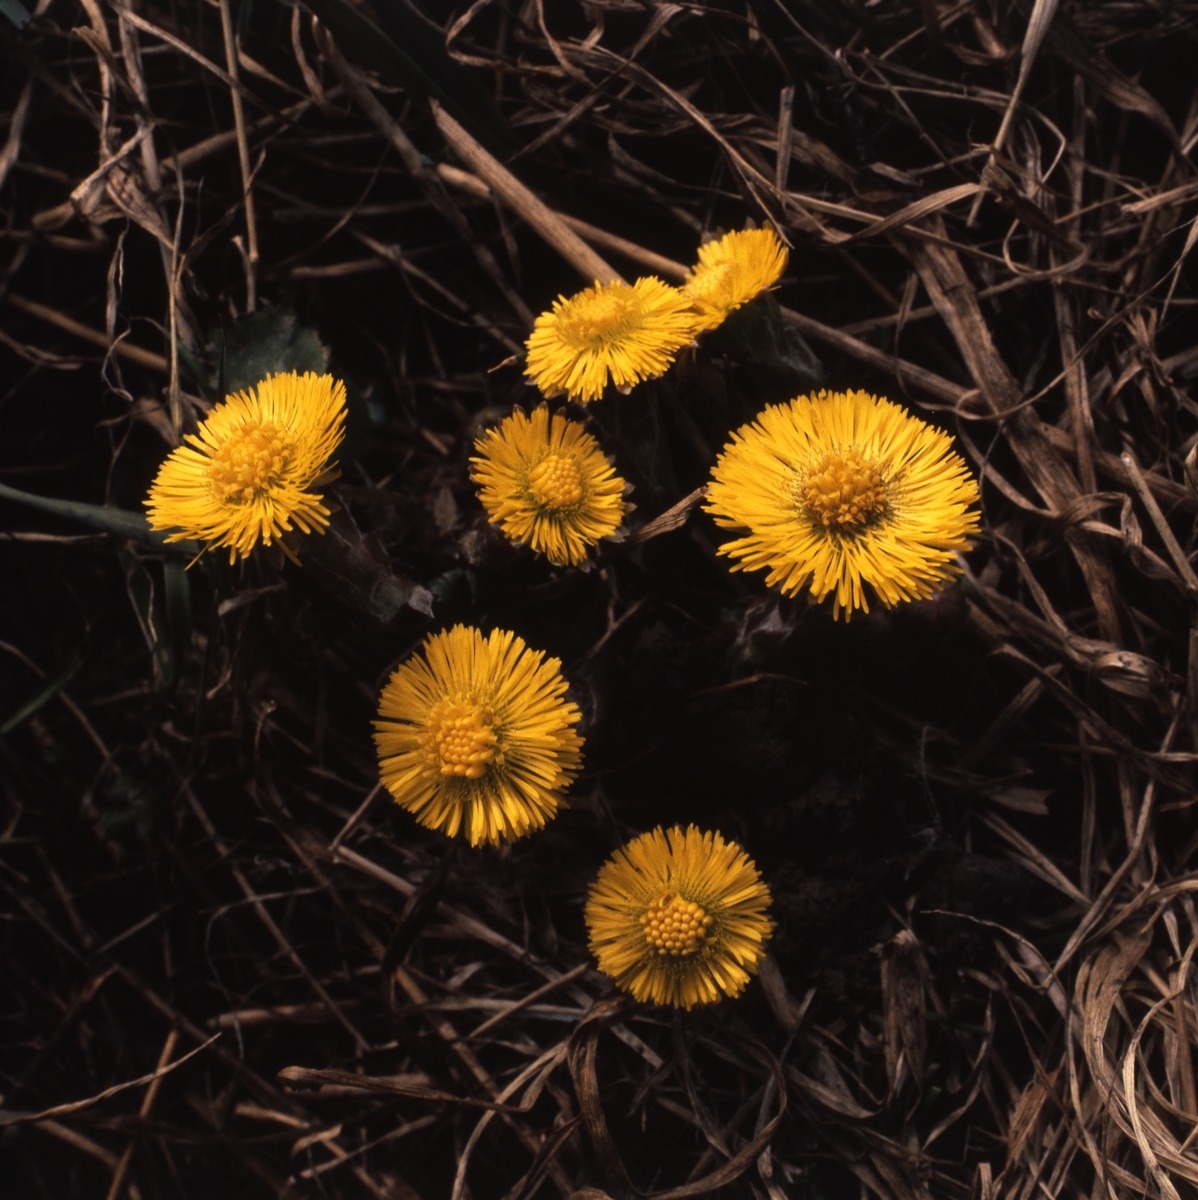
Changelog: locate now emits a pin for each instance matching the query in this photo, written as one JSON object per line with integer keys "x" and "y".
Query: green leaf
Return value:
{"x": 176, "y": 592}
{"x": 267, "y": 342}
{"x": 15, "y": 11}
{"x": 45, "y": 693}
{"x": 130, "y": 806}
{"x": 408, "y": 52}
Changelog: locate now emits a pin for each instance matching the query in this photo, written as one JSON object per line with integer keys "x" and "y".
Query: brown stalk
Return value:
{"x": 146, "y": 358}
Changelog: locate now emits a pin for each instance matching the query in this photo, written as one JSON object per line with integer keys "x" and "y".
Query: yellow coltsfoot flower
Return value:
{"x": 545, "y": 481}
{"x": 474, "y": 735}
{"x": 630, "y": 332}
{"x": 679, "y": 917}
{"x": 246, "y": 475}
{"x": 843, "y": 490}
{"x": 732, "y": 271}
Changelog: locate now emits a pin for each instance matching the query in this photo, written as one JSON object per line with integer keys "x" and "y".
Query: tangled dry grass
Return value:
{"x": 228, "y": 966}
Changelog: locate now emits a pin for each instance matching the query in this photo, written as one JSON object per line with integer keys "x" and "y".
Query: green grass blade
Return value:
{"x": 15, "y": 11}
{"x": 176, "y": 589}
{"x": 45, "y": 693}
{"x": 116, "y": 521}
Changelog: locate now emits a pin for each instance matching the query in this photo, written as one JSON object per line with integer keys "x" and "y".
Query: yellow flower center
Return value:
{"x": 598, "y": 318}
{"x": 250, "y": 462}
{"x": 459, "y": 738}
{"x": 675, "y": 926}
{"x": 707, "y": 284}
{"x": 844, "y": 490}
{"x": 555, "y": 482}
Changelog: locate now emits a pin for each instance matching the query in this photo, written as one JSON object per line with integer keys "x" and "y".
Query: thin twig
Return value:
{"x": 16, "y": 127}
{"x": 247, "y": 174}
{"x": 147, "y": 1106}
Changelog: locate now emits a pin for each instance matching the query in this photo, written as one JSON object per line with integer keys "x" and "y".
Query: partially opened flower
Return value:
{"x": 544, "y": 481}
{"x": 843, "y": 491}
{"x": 630, "y": 332}
{"x": 248, "y": 473}
{"x": 474, "y": 735}
{"x": 732, "y": 271}
{"x": 679, "y": 917}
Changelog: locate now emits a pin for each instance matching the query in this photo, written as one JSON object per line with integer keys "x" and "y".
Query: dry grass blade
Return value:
{"x": 146, "y": 358}
{"x": 243, "y": 155}
{"x": 180, "y": 45}
{"x": 670, "y": 520}
{"x": 122, "y": 1167}
{"x": 583, "y": 1060}
{"x": 62, "y": 1110}
{"x": 915, "y": 211}
{"x": 1037, "y": 28}
{"x": 523, "y": 202}
{"x": 304, "y": 1077}
{"x": 16, "y": 127}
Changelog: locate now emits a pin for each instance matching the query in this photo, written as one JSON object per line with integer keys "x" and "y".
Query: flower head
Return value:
{"x": 544, "y": 481}
{"x": 843, "y": 490}
{"x": 732, "y": 271}
{"x": 631, "y": 332}
{"x": 679, "y": 917}
{"x": 474, "y": 735}
{"x": 246, "y": 475}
